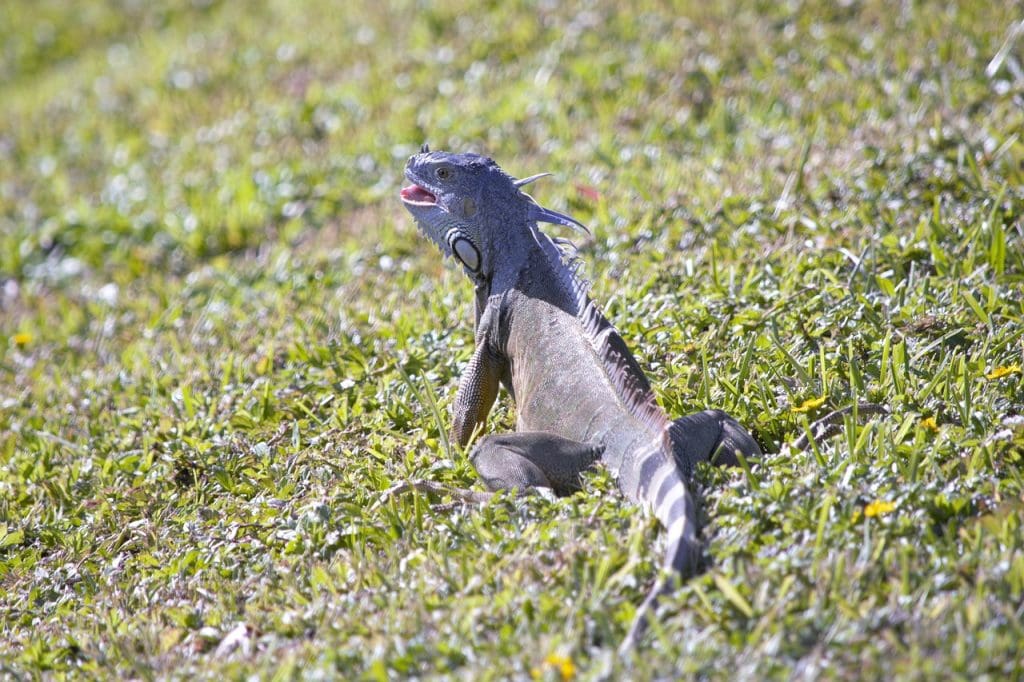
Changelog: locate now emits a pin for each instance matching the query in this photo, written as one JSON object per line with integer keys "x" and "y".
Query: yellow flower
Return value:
{"x": 878, "y": 508}
{"x": 1002, "y": 371}
{"x": 22, "y": 339}
{"x": 563, "y": 664}
{"x": 810, "y": 404}
{"x": 930, "y": 424}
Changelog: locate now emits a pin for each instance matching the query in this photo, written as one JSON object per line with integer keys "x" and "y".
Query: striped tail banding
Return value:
{"x": 660, "y": 478}
{"x": 653, "y": 479}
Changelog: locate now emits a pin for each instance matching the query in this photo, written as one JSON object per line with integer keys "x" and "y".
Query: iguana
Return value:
{"x": 580, "y": 395}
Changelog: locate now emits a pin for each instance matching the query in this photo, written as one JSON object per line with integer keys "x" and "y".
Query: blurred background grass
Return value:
{"x": 144, "y": 122}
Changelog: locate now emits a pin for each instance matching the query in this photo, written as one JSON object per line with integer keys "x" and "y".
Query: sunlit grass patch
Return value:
{"x": 221, "y": 340}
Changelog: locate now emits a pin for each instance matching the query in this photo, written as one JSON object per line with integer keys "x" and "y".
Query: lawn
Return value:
{"x": 222, "y": 338}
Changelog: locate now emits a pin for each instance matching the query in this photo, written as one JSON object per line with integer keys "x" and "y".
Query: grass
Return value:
{"x": 221, "y": 337}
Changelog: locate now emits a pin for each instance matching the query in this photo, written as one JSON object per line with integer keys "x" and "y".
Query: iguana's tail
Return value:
{"x": 662, "y": 476}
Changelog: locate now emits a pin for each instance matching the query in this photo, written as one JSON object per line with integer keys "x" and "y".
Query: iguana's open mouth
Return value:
{"x": 417, "y": 196}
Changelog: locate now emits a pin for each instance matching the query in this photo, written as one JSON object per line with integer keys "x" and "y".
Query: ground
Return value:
{"x": 221, "y": 337}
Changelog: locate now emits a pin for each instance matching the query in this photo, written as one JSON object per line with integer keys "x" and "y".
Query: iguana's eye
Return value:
{"x": 444, "y": 172}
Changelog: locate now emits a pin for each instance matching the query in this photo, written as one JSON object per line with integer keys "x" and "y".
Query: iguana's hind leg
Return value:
{"x": 710, "y": 435}
{"x": 533, "y": 459}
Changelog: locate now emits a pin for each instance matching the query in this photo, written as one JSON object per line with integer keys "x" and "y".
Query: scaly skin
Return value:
{"x": 580, "y": 395}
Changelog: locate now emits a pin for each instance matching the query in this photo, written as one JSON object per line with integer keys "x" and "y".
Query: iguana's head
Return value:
{"x": 472, "y": 209}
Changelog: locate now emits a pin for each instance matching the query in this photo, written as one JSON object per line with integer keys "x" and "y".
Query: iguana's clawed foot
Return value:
{"x": 432, "y": 488}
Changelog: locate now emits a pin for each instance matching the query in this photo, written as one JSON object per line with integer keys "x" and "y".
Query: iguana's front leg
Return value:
{"x": 477, "y": 391}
